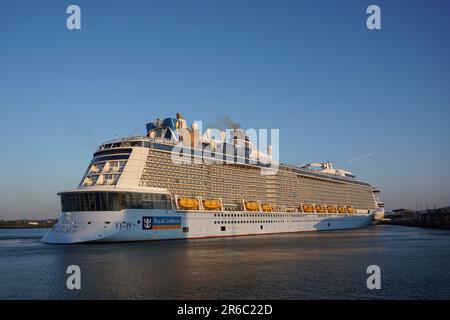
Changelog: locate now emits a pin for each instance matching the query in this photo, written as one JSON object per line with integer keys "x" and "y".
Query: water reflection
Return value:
{"x": 289, "y": 266}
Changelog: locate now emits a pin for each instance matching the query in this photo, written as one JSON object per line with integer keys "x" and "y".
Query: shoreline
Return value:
{"x": 26, "y": 227}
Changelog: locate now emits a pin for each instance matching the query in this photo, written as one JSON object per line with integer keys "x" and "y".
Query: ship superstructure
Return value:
{"x": 134, "y": 190}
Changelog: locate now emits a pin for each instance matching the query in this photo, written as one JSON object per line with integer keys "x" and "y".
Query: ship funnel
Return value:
{"x": 240, "y": 138}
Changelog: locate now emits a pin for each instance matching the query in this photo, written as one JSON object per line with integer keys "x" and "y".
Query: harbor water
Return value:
{"x": 414, "y": 264}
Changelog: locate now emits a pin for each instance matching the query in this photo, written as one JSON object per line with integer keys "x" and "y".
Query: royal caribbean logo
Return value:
{"x": 152, "y": 223}
{"x": 147, "y": 223}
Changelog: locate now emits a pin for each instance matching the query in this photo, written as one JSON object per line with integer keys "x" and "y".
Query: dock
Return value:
{"x": 431, "y": 218}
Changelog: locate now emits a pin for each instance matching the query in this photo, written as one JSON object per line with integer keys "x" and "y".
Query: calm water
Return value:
{"x": 415, "y": 263}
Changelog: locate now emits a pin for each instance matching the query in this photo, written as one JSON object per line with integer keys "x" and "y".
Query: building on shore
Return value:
{"x": 431, "y": 218}
{"x": 403, "y": 213}
{"x": 25, "y": 223}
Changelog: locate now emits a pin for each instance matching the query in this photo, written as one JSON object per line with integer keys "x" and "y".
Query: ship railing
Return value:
{"x": 123, "y": 139}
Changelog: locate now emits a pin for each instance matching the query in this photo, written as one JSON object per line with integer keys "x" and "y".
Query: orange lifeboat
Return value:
{"x": 350, "y": 209}
{"x": 331, "y": 209}
{"x": 267, "y": 207}
{"x": 252, "y": 206}
{"x": 211, "y": 204}
{"x": 308, "y": 208}
{"x": 321, "y": 209}
{"x": 341, "y": 209}
{"x": 188, "y": 203}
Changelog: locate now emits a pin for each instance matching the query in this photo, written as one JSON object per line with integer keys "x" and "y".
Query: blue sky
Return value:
{"x": 336, "y": 90}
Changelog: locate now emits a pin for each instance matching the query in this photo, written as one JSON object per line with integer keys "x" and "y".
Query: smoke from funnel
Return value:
{"x": 223, "y": 122}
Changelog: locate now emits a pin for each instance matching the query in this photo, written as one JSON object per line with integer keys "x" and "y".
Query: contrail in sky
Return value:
{"x": 362, "y": 157}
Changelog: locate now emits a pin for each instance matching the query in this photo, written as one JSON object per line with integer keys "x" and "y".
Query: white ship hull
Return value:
{"x": 147, "y": 225}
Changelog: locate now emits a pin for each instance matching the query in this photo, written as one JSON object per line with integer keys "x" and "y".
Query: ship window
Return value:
{"x": 223, "y": 228}
{"x": 112, "y": 201}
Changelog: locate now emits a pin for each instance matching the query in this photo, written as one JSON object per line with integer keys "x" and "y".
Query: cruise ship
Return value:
{"x": 137, "y": 189}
